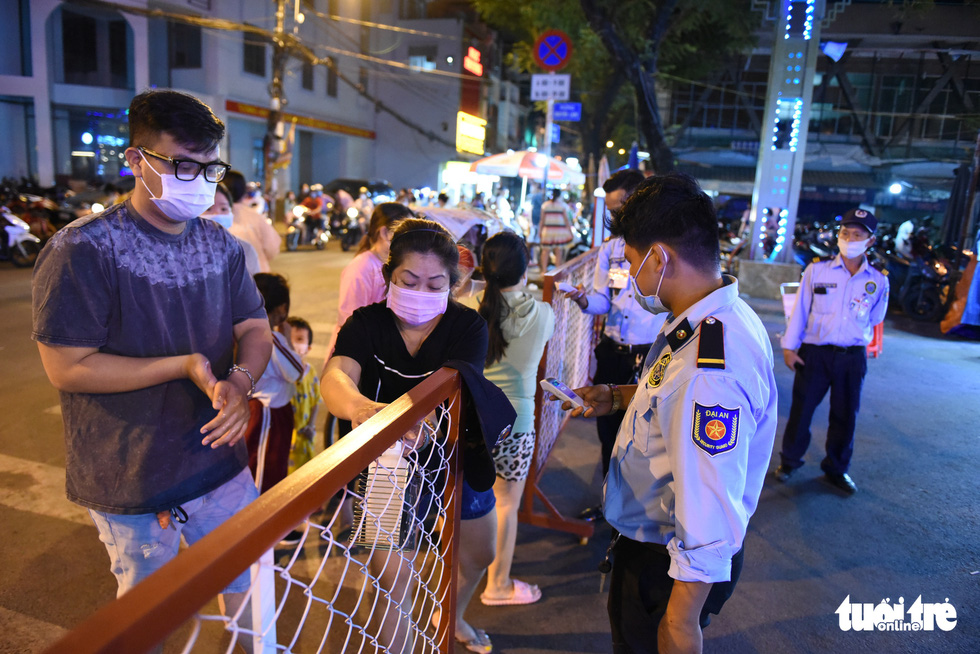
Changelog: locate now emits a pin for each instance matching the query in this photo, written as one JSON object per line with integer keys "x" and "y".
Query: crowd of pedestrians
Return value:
{"x": 179, "y": 362}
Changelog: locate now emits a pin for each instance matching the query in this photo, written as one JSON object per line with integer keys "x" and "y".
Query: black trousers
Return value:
{"x": 639, "y": 592}
{"x": 613, "y": 367}
{"x": 842, "y": 372}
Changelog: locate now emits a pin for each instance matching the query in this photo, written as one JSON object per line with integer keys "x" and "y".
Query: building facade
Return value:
{"x": 895, "y": 100}
{"x": 376, "y": 95}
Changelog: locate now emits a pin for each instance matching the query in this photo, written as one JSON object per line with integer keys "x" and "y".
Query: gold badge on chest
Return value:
{"x": 658, "y": 371}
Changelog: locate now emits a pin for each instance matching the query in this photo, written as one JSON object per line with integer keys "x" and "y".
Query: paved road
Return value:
{"x": 912, "y": 530}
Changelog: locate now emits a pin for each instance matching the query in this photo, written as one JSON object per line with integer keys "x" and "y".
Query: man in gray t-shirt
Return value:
{"x": 137, "y": 315}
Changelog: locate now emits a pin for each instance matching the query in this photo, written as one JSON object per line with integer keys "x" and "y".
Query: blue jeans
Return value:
{"x": 138, "y": 547}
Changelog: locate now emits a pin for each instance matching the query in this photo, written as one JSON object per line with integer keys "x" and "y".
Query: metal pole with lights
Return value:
{"x": 779, "y": 172}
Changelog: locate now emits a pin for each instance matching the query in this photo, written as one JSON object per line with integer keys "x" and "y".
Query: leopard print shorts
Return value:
{"x": 512, "y": 456}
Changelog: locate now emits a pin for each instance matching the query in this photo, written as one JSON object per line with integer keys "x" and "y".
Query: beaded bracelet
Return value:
{"x": 251, "y": 380}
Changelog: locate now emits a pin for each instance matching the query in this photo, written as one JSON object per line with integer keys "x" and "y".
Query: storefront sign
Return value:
{"x": 471, "y": 62}
{"x": 304, "y": 121}
{"x": 471, "y": 133}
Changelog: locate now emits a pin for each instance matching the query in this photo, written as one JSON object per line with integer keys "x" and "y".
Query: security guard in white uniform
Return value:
{"x": 692, "y": 452}
{"x": 837, "y": 307}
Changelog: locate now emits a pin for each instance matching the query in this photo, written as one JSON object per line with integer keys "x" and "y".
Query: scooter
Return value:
{"x": 346, "y": 225}
{"x": 18, "y": 245}
{"x": 812, "y": 243}
{"x": 927, "y": 291}
{"x": 582, "y": 231}
{"x": 304, "y": 230}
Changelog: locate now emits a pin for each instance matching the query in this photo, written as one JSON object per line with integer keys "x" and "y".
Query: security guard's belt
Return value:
{"x": 850, "y": 349}
{"x": 628, "y": 349}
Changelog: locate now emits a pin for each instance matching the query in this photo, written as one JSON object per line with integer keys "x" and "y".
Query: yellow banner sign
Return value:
{"x": 471, "y": 133}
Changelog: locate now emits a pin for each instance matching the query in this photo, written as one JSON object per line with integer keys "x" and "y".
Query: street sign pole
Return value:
{"x": 552, "y": 50}
{"x": 549, "y": 118}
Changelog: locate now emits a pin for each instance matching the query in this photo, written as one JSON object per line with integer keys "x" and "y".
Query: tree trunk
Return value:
{"x": 596, "y": 121}
{"x": 641, "y": 70}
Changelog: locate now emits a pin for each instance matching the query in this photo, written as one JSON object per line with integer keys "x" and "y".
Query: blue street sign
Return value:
{"x": 569, "y": 111}
{"x": 555, "y": 133}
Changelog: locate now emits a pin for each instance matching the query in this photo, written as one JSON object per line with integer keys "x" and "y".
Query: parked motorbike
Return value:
{"x": 927, "y": 292}
{"x": 19, "y": 245}
{"x": 305, "y": 229}
{"x": 813, "y": 242}
{"x": 582, "y": 230}
{"x": 346, "y": 226}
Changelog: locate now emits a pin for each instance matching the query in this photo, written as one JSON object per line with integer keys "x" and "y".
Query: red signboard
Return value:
{"x": 471, "y": 62}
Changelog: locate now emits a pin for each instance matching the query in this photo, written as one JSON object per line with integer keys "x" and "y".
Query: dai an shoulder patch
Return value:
{"x": 715, "y": 428}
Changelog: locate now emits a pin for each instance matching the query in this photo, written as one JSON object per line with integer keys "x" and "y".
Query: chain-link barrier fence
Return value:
{"x": 568, "y": 357}
{"x": 372, "y": 572}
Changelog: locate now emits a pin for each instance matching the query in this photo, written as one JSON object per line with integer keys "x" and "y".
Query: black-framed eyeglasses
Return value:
{"x": 187, "y": 170}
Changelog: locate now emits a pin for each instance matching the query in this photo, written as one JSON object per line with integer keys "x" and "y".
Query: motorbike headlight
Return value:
{"x": 97, "y": 208}
{"x": 299, "y": 211}
{"x": 352, "y": 213}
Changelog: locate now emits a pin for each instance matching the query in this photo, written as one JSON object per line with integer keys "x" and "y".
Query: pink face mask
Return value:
{"x": 416, "y": 307}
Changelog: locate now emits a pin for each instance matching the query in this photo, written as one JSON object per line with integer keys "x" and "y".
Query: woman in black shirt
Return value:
{"x": 383, "y": 351}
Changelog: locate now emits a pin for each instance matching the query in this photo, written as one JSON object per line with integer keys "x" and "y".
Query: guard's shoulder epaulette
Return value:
{"x": 711, "y": 344}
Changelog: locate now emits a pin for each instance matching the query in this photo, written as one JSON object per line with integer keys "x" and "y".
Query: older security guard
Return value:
{"x": 692, "y": 452}
{"x": 839, "y": 303}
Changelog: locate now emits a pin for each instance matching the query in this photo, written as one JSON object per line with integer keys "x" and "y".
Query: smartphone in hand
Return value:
{"x": 560, "y": 390}
{"x": 565, "y": 287}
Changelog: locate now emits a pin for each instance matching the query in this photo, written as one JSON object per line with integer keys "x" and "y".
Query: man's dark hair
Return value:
{"x": 443, "y": 197}
{"x": 185, "y": 118}
{"x": 627, "y": 180}
{"x": 674, "y": 210}
{"x": 235, "y": 182}
{"x": 274, "y": 289}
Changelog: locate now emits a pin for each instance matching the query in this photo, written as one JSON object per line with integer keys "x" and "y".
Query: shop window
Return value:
{"x": 307, "y": 76}
{"x": 332, "y": 77}
{"x": 253, "y": 54}
{"x": 185, "y": 45}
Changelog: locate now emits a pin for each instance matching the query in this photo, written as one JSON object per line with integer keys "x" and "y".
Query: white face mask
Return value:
{"x": 852, "y": 249}
{"x": 223, "y": 219}
{"x": 651, "y": 303}
{"x": 416, "y": 307}
{"x": 179, "y": 200}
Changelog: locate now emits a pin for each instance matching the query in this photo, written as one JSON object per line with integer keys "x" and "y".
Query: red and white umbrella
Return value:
{"x": 529, "y": 165}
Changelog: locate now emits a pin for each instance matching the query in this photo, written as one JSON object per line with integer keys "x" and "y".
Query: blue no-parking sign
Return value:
{"x": 552, "y": 50}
